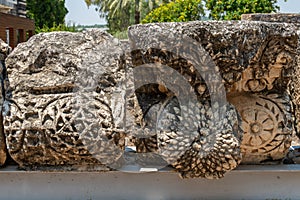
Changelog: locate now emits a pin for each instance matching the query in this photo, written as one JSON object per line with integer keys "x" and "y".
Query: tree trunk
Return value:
{"x": 137, "y": 12}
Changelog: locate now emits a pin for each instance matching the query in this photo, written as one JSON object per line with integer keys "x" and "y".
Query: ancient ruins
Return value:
{"x": 56, "y": 97}
{"x": 256, "y": 70}
{"x": 5, "y": 94}
{"x": 201, "y": 97}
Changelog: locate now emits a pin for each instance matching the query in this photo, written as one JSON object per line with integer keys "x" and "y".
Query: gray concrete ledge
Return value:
{"x": 246, "y": 182}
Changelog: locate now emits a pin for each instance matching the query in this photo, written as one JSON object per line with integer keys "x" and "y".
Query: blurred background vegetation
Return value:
{"x": 49, "y": 15}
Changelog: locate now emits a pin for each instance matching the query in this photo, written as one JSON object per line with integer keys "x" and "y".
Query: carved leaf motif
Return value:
{"x": 265, "y": 135}
{"x": 268, "y": 124}
{"x": 246, "y": 137}
{"x": 256, "y": 85}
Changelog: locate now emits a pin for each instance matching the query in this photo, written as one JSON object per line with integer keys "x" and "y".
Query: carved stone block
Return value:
{"x": 255, "y": 61}
{"x": 61, "y": 114}
{"x": 295, "y": 85}
{"x": 189, "y": 94}
{"x": 267, "y": 126}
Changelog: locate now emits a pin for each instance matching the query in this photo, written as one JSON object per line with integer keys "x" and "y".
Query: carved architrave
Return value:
{"x": 266, "y": 125}
{"x": 61, "y": 109}
{"x": 286, "y": 18}
{"x": 253, "y": 59}
{"x": 259, "y": 78}
{"x": 44, "y": 132}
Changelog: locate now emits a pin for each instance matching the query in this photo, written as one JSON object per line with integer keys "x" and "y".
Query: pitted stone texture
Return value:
{"x": 274, "y": 17}
{"x": 251, "y": 57}
{"x": 5, "y": 49}
{"x": 295, "y": 86}
{"x": 62, "y": 95}
{"x": 234, "y": 47}
{"x": 4, "y": 97}
{"x": 194, "y": 138}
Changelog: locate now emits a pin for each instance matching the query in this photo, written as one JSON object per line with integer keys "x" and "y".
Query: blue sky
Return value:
{"x": 79, "y": 13}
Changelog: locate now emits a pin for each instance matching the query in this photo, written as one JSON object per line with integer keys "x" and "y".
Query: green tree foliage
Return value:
{"x": 46, "y": 13}
{"x": 177, "y": 11}
{"x": 121, "y": 19}
{"x": 59, "y": 27}
{"x": 122, "y": 13}
{"x": 114, "y": 6}
{"x": 233, "y": 9}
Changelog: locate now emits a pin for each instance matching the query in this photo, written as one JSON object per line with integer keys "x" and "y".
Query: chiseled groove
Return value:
{"x": 56, "y": 89}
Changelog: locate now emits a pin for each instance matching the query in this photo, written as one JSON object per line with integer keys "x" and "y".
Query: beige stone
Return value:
{"x": 198, "y": 91}
{"x": 295, "y": 85}
{"x": 256, "y": 63}
{"x": 267, "y": 125}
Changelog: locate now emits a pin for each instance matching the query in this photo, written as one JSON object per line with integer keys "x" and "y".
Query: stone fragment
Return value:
{"x": 5, "y": 95}
{"x": 255, "y": 61}
{"x": 295, "y": 85}
{"x": 61, "y": 109}
{"x": 178, "y": 99}
{"x": 267, "y": 126}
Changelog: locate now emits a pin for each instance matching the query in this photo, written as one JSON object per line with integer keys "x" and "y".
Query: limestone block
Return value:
{"x": 255, "y": 61}
{"x": 61, "y": 115}
{"x": 295, "y": 85}
{"x": 267, "y": 126}
{"x": 189, "y": 94}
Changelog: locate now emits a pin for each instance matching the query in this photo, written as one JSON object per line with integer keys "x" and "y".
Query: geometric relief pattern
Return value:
{"x": 266, "y": 125}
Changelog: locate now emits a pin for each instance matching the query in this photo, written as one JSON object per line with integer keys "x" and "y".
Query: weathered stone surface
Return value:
{"x": 178, "y": 99}
{"x": 5, "y": 49}
{"x": 4, "y": 84}
{"x": 61, "y": 110}
{"x": 292, "y": 18}
{"x": 255, "y": 61}
{"x": 295, "y": 86}
{"x": 267, "y": 125}
{"x": 196, "y": 135}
